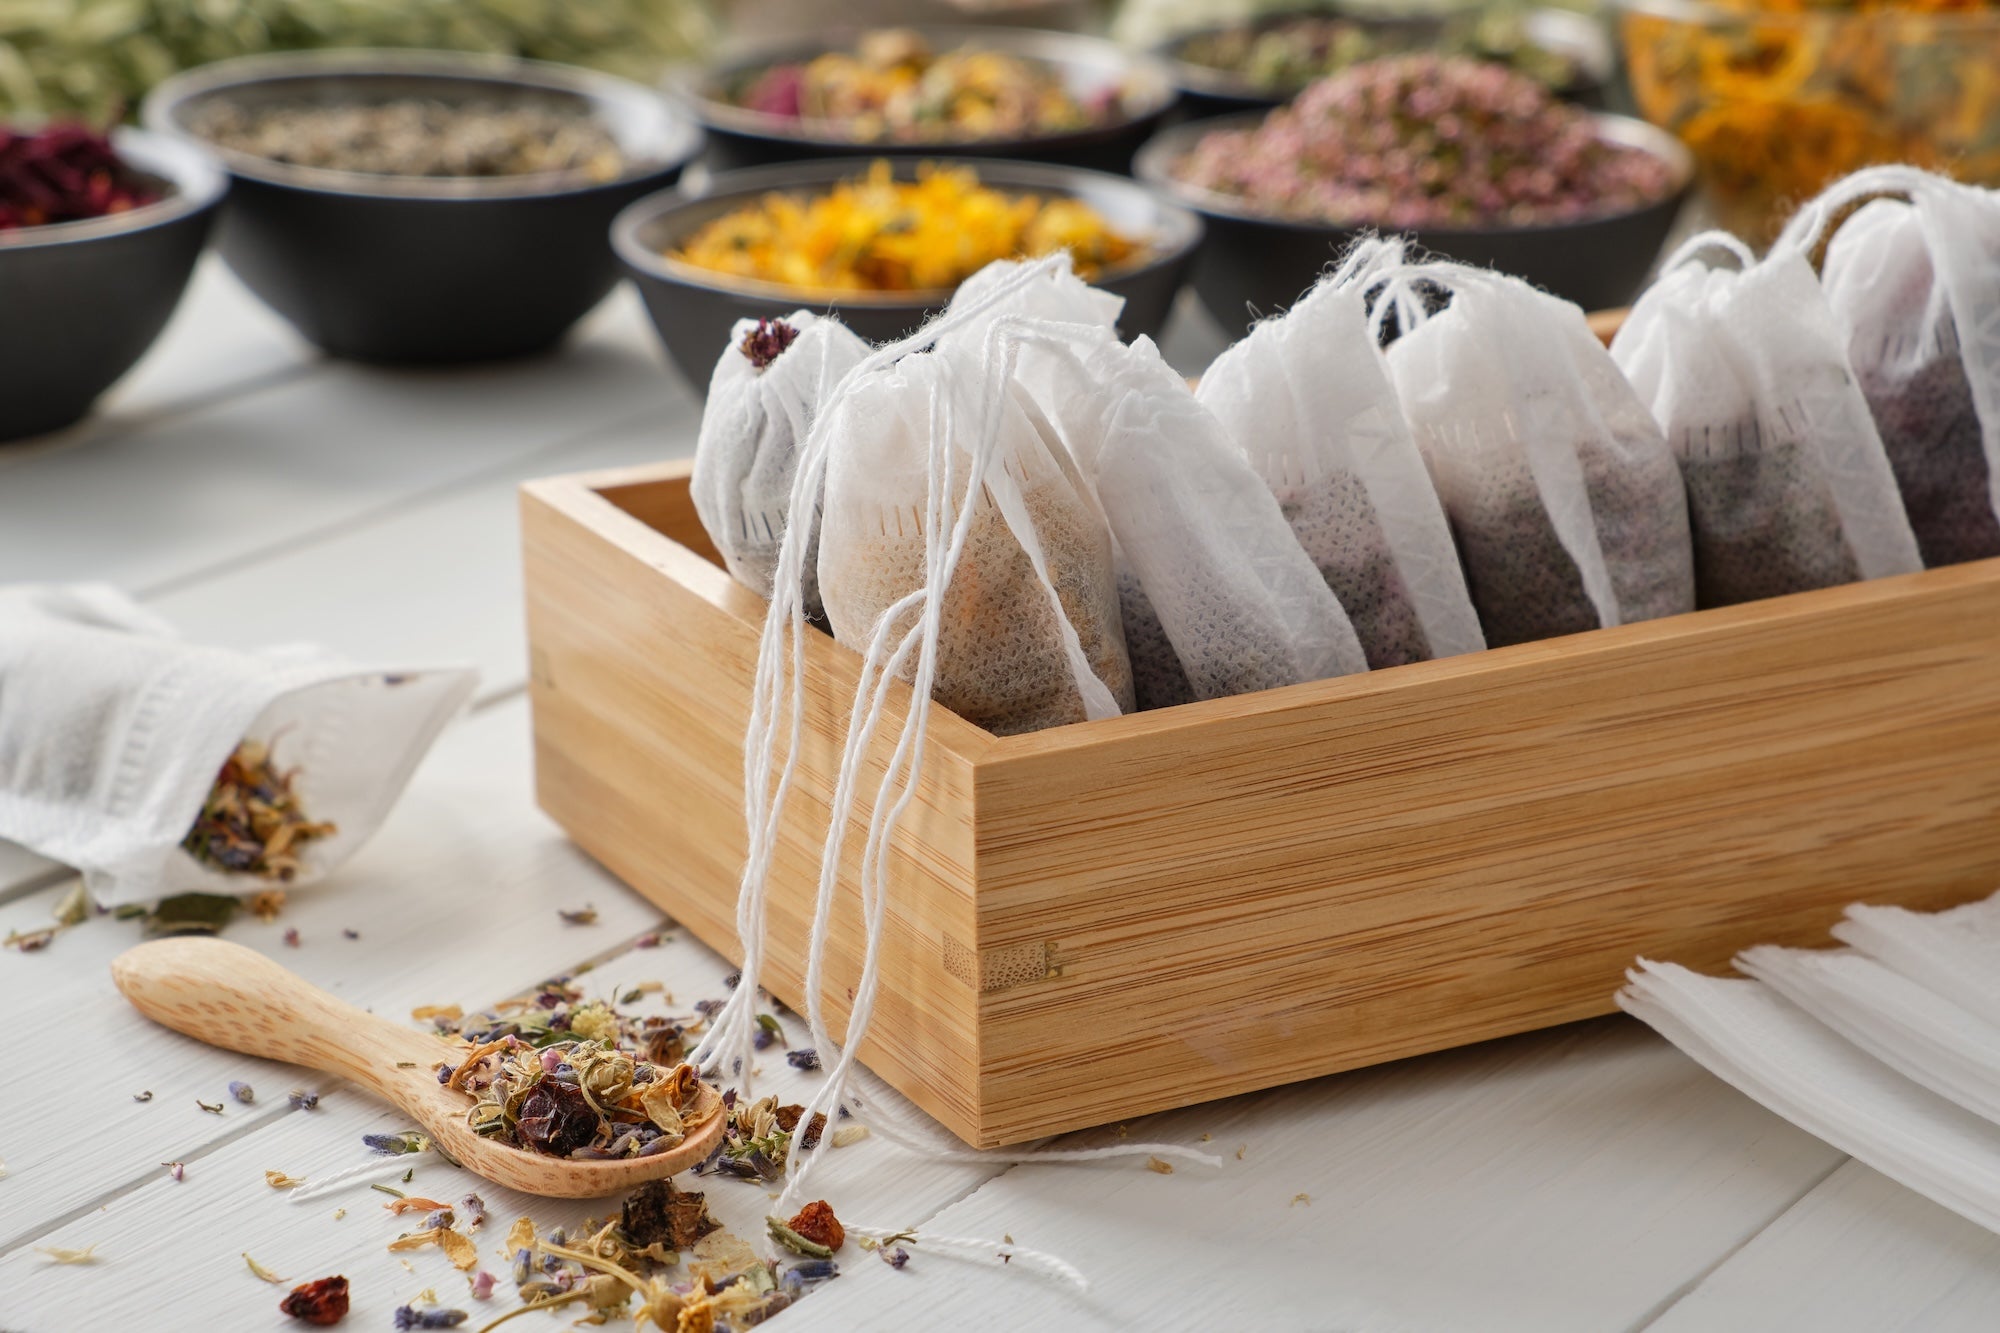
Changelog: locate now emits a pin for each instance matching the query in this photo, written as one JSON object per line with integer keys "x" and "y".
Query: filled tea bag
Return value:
{"x": 1788, "y": 487}
{"x": 1305, "y": 399}
{"x": 1215, "y": 597}
{"x": 1562, "y": 496}
{"x": 1029, "y": 635}
{"x": 762, "y": 397}
{"x": 1914, "y": 281}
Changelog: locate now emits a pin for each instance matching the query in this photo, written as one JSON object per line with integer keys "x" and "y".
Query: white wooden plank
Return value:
{"x": 269, "y": 468}
{"x": 1860, "y": 1254}
{"x": 1571, "y": 1180}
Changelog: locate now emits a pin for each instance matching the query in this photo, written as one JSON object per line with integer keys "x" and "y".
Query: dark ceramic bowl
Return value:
{"x": 739, "y": 137}
{"x": 408, "y": 269}
{"x": 1255, "y": 265}
{"x": 1208, "y": 91}
{"x": 694, "y": 308}
{"x": 81, "y": 301}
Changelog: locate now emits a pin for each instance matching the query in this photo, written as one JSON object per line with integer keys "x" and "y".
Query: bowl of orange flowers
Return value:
{"x": 1777, "y": 98}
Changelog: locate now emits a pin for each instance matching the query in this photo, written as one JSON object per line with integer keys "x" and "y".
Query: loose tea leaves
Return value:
{"x": 414, "y": 136}
{"x": 658, "y": 1214}
{"x": 253, "y": 822}
{"x": 191, "y": 914}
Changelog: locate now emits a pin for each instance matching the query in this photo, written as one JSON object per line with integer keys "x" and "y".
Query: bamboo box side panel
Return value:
{"x": 1274, "y": 887}
{"x": 643, "y": 655}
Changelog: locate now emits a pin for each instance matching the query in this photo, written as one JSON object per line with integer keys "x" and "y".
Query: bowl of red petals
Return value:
{"x": 1472, "y": 160}
{"x": 98, "y": 235}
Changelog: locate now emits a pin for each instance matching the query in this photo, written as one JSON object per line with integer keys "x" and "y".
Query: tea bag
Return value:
{"x": 1305, "y": 399}
{"x": 1561, "y": 493}
{"x": 113, "y": 730}
{"x": 762, "y": 397}
{"x": 1215, "y": 597}
{"x": 1029, "y": 635}
{"x": 1788, "y": 487}
{"x": 1914, "y": 282}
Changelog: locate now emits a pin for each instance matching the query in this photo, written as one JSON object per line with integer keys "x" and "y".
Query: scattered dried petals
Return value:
{"x": 28, "y": 941}
{"x": 86, "y": 1255}
{"x": 414, "y": 1205}
{"x": 263, "y": 1272}
{"x": 1300, "y": 1198}
{"x": 458, "y": 1248}
{"x": 390, "y": 1145}
{"x": 429, "y": 1011}
{"x": 482, "y": 1285}
{"x": 212, "y": 1110}
{"x": 178, "y": 1170}
{"x": 323, "y": 1303}
{"x": 1159, "y": 1167}
{"x": 302, "y": 1100}
{"x": 278, "y": 1180}
{"x": 292, "y": 938}
{"x": 805, "y": 1057}
{"x": 474, "y": 1209}
{"x": 266, "y": 904}
{"x": 579, "y": 916}
{"x": 847, "y": 1134}
{"x": 658, "y": 1214}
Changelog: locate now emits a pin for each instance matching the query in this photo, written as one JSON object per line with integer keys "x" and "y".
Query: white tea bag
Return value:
{"x": 1217, "y": 596}
{"x": 1914, "y": 282}
{"x": 762, "y": 397}
{"x": 1306, "y": 400}
{"x": 1955, "y": 952}
{"x": 1564, "y": 501}
{"x": 1029, "y": 634}
{"x": 1745, "y": 369}
{"x": 113, "y": 729}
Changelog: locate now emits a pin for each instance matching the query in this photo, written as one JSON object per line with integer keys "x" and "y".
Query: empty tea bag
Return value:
{"x": 1306, "y": 400}
{"x": 1030, "y": 634}
{"x": 1773, "y": 1052}
{"x": 1562, "y": 496}
{"x": 1955, "y": 952}
{"x": 1788, "y": 488}
{"x": 1914, "y": 280}
{"x": 762, "y": 397}
{"x": 113, "y": 730}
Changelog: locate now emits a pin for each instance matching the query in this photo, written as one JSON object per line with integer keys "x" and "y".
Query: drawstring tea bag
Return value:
{"x": 113, "y": 730}
{"x": 1788, "y": 487}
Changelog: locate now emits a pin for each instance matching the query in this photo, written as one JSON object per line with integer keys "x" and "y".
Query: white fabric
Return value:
{"x": 1915, "y": 283}
{"x": 751, "y": 428}
{"x": 1772, "y": 1051}
{"x": 1746, "y": 371}
{"x": 112, "y": 731}
{"x": 1306, "y": 400}
{"x": 1561, "y": 492}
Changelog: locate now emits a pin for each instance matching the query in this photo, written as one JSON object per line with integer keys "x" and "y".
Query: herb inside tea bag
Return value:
{"x": 252, "y": 822}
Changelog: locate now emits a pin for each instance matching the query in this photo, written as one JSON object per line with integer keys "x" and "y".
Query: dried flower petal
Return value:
{"x": 263, "y": 1272}
{"x": 579, "y": 916}
{"x": 142, "y": 1096}
{"x": 390, "y": 1145}
{"x": 424, "y": 1012}
{"x": 74, "y": 909}
{"x": 278, "y": 1180}
{"x": 1159, "y": 1167}
{"x": 323, "y": 1303}
{"x": 658, "y": 1214}
{"x": 482, "y": 1285}
{"x": 266, "y": 904}
{"x": 178, "y": 1170}
{"x": 86, "y": 1255}
{"x": 847, "y": 1134}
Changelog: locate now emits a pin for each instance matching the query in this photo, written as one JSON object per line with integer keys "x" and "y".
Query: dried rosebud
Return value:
{"x": 323, "y": 1302}
{"x": 767, "y": 342}
{"x": 556, "y": 1119}
{"x": 817, "y": 1223}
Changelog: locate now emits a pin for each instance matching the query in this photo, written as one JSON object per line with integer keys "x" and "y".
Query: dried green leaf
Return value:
{"x": 128, "y": 911}
{"x": 796, "y": 1243}
{"x": 74, "y": 909}
{"x": 191, "y": 914}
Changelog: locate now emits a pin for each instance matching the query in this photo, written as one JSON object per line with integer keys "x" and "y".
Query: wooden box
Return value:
{"x": 1140, "y": 913}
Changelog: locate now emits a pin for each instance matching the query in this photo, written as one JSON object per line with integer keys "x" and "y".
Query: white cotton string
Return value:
{"x": 1727, "y": 242}
{"x": 1006, "y": 1252}
{"x": 354, "y": 1175}
{"x": 1810, "y": 227}
{"x": 913, "y": 1137}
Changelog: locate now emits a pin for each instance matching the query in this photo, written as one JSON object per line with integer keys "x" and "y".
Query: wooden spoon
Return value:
{"x": 236, "y": 998}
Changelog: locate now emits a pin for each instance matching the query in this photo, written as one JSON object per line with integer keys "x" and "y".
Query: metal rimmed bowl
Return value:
{"x": 739, "y": 137}
{"x": 407, "y": 269}
{"x": 694, "y": 308}
{"x": 80, "y": 302}
{"x": 1255, "y": 264}
{"x": 1209, "y": 91}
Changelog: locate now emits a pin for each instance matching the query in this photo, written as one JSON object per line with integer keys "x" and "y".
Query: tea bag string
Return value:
{"x": 1715, "y": 239}
{"x": 974, "y": 1248}
{"x": 781, "y": 643}
{"x": 1811, "y": 229}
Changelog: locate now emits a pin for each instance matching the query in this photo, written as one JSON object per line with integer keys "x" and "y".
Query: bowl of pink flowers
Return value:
{"x": 1471, "y": 160}
{"x": 98, "y": 235}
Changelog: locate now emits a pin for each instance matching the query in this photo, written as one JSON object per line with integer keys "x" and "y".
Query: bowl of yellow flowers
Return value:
{"x": 884, "y": 243}
{"x": 1778, "y": 98}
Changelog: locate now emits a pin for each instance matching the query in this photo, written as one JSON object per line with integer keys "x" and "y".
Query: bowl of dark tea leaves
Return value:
{"x": 424, "y": 206}
{"x": 98, "y": 234}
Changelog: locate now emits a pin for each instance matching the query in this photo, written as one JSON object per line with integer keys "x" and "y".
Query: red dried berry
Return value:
{"x": 323, "y": 1302}
{"x": 817, "y": 1223}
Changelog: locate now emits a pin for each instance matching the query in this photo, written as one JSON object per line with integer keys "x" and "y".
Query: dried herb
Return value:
{"x": 323, "y": 1303}
{"x": 556, "y": 1118}
{"x": 216, "y": 1109}
{"x": 252, "y": 822}
{"x": 896, "y": 1258}
{"x": 1159, "y": 1167}
{"x": 579, "y": 916}
{"x": 408, "y": 1317}
{"x": 266, "y": 905}
{"x": 191, "y": 914}
{"x": 474, "y": 1209}
{"x": 29, "y": 941}
{"x": 178, "y": 1170}
{"x": 392, "y": 1145}
{"x": 278, "y": 1180}
{"x": 414, "y": 136}
{"x": 86, "y": 1255}
{"x": 482, "y": 1284}
{"x": 291, "y": 938}
{"x": 658, "y": 1214}
{"x": 817, "y": 1223}
{"x": 262, "y": 1272}
{"x": 794, "y": 1242}
{"x": 242, "y": 1092}
{"x": 847, "y": 1134}
{"x": 805, "y": 1057}
{"x": 768, "y": 341}
{"x": 302, "y": 1100}
{"x": 1299, "y": 1199}
{"x": 64, "y": 173}
{"x": 389, "y": 1190}
{"x": 142, "y": 1096}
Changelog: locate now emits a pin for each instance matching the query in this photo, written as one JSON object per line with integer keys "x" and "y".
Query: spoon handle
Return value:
{"x": 236, "y": 998}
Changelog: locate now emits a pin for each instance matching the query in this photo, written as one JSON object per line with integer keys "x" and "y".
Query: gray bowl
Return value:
{"x": 1256, "y": 265}
{"x": 408, "y": 269}
{"x": 81, "y": 301}
{"x": 739, "y": 137}
{"x": 693, "y": 309}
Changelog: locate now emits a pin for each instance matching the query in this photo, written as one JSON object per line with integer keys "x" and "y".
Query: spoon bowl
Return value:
{"x": 236, "y": 998}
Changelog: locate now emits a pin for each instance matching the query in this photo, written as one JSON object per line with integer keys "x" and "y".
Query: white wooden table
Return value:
{"x": 1585, "y": 1179}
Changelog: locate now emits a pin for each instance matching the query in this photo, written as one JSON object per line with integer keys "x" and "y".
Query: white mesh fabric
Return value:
{"x": 1305, "y": 400}
{"x": 1788, "y": 486}
{"x": 747, "y": 452}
